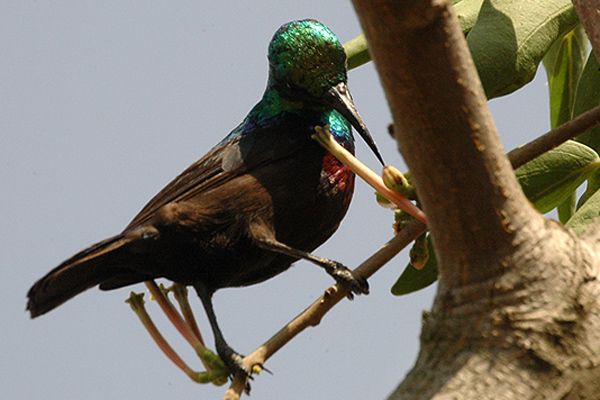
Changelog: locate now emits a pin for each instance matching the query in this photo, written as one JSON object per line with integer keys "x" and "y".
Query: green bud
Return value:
{"x": 394, "y": 180}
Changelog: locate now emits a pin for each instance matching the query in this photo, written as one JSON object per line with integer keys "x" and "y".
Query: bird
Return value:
{"x": 262, "y": 198}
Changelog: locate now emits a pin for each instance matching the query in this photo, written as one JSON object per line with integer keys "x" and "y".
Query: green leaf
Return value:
{"x": 587, "y": 96}
{"x": 510, "y": 38}
{"x": 567, "y": 208}
{"x": 413, "y": 279}
{"x": 467, "y": 12}
{"x": 582, "y": 219}
{"x": 593, "y": 185}
{"x": 564, "y": 63}
{"x": 357, "y": 50}
{"x": 549, "y": 179}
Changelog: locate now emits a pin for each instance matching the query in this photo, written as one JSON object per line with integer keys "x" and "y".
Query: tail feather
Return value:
{"x": 84, "y": 270}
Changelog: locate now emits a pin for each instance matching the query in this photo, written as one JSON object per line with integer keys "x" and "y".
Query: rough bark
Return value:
{"x": 517, "y": 314}
{"x": 589, "y": 15}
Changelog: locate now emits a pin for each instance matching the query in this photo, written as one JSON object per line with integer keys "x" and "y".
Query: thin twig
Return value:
{"x": 312, "y": 315}
{"x": 554, "y": 137}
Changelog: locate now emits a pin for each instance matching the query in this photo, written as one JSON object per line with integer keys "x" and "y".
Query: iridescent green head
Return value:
{"x": 306, "y": 56}
{"x": 308, "y": 65}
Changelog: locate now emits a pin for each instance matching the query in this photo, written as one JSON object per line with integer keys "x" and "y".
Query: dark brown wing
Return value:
{"x": 205, "y": 173}
{"x": 239, "y": 153}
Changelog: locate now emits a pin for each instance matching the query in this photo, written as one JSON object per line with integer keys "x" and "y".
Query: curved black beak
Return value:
{"x": 340, "y": 99}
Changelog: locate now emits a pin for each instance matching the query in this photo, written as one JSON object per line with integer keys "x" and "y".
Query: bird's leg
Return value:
{"x": 342, "y": 274}
{"x": 232, "y": 359}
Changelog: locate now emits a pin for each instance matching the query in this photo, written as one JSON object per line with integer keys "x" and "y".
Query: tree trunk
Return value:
{"x": 517, "y": 313}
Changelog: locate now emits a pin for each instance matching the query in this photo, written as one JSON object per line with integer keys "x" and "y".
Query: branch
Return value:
{"x": 589, "y": 15}
{"x": 446, "y": 134}
{"x": 312, "y": 315}
{"x": 555, "y": 137}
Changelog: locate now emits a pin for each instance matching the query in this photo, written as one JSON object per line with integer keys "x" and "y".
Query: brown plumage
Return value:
{"x": 262, "y": 198}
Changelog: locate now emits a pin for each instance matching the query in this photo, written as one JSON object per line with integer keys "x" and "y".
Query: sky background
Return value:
{"x": 101, "y": 105}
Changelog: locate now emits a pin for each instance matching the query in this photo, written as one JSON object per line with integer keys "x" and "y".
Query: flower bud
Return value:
{"x": 394, "y": 180}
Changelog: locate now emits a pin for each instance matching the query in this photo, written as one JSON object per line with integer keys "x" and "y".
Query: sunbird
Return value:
{"x": 262, "y": 198}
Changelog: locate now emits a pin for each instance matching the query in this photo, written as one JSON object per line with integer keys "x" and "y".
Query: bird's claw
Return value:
{"x": 235, "y": 364}
{"x": 348, "y": 279}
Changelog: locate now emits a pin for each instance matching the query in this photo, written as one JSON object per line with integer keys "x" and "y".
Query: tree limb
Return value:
{"x": 589, "y": 15}
{"x": 555, "y": 137}
{"x": 446, "y": 134}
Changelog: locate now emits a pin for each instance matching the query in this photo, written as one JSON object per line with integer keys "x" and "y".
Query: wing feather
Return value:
{"x": 236, "y": 155}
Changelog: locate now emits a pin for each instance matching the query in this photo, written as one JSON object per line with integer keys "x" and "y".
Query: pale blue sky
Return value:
{"x": 101, "y": 104}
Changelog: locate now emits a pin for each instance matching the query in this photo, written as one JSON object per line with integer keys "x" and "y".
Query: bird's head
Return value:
{"x": 308, "y": 63}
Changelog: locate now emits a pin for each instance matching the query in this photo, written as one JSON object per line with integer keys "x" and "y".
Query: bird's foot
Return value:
{"x": 349, "y": 280}
{"x": 235, "y": 364}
